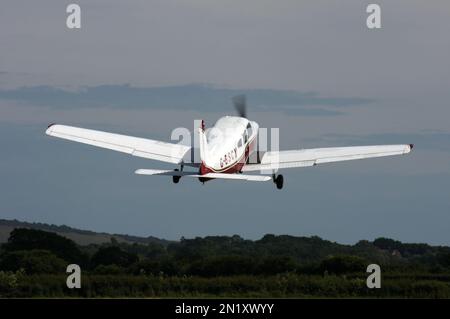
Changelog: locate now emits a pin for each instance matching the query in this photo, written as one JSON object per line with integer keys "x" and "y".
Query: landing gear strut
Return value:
{"x": 278, "y": 180}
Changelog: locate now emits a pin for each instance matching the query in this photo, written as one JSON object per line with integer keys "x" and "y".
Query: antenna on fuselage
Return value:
{"x": 240, "y": 104}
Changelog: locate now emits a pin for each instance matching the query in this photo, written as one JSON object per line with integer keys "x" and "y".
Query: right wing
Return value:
{"x": 314, "y": 156}
{"x": 136, "y": 146}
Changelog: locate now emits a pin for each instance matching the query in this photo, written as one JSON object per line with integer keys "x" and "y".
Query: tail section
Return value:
{"x": 203, "y": 143}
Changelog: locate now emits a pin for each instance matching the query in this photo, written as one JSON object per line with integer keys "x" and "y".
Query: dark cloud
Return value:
{"x": 193, "y": 97}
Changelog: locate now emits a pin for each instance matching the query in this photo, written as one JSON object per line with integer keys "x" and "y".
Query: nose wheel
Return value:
{"x": 278, "y": 180}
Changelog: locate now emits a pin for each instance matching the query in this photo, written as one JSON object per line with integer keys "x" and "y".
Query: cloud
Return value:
{"x": 190, "y": 97}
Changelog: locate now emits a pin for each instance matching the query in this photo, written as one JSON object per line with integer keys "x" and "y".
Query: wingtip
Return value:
{"x": 49, "y": 127}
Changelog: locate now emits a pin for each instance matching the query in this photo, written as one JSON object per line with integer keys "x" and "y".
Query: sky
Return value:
{"x": 311, "y": 68}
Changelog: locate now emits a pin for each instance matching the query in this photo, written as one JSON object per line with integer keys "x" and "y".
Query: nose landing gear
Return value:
{"x": 278, "y": 180}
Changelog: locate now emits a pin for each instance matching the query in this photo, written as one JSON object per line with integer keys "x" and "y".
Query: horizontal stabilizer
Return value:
{"x": 164, "y": 172}
{"x": 255, "y": 178}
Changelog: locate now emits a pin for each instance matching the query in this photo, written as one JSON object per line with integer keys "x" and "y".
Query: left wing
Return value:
{"x": 136, "y": 146}
{"x": 314, "y": 156}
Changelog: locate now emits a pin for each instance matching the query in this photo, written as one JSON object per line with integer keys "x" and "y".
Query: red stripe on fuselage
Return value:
{"x": 234, "y": 168}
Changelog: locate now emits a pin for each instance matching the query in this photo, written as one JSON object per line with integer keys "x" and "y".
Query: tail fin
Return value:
{"x": 203, "y": 143}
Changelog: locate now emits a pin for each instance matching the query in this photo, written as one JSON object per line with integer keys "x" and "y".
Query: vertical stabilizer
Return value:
{"x": 203, "y": 143}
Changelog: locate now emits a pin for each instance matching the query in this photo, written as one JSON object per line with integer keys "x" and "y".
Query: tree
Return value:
{"x": 443, "y": 258}
{"x": 387, "y": 243}
{"x": 33, "y": 262}
{"x": 113, "y": 255}
{"x": 29, "y": 239}
{"x": 276, "y": 265}
{"x": 343, "y": 264}
{"x": 223, "y": 266}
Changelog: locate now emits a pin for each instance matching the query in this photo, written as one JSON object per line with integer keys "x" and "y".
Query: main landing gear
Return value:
{"x": 176, "y": 179}
{"x": 278, "y": 180}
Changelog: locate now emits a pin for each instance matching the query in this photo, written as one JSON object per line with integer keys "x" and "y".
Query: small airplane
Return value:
{"x": 225, "y": 156}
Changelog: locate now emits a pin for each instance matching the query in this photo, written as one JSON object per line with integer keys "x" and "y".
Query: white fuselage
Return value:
{"x": 229, "y": 143}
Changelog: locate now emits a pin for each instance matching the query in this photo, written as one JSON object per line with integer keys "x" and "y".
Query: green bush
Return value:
{"x": 109, "y": 270}
{"x": 113, "y": 255}
{"x": 32, "y": 262}
{"x": 343, "y": 264}
{"x": 9, "y": 281}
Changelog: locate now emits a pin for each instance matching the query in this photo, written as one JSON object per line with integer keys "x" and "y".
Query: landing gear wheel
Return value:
{"x": 176, "y": 179}
{"x": 279, "y": 181}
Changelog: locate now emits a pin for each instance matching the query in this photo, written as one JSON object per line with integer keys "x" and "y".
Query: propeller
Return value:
{"x": 240, "y": 105}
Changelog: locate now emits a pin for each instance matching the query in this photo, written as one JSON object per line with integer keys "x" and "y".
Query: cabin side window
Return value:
{"x": 245, "y": 137}
{"x": 240, "y": 143}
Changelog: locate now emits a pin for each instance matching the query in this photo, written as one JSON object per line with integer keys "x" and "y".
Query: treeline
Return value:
{"x": 33, "y": 263}
{"x": 63, "y": 229}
